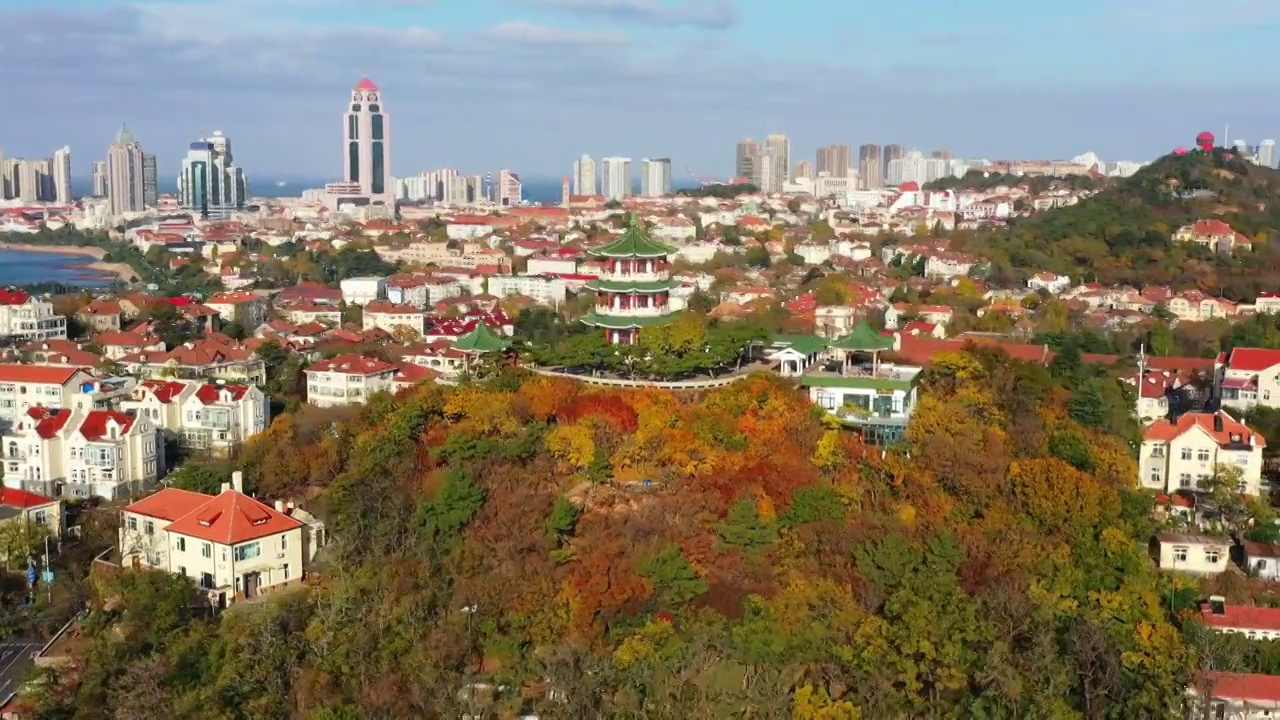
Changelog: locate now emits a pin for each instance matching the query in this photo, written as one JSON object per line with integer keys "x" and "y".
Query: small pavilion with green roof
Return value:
{"x": 480, "y": 341}
{"x": 634, "y": 289}
{"x": 864, "y": 341}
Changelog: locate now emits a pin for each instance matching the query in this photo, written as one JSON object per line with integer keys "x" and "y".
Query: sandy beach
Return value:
{"x": 94, "y": 257}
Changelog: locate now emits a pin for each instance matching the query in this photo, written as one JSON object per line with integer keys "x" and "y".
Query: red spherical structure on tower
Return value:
{"x": 1205, "y": 141}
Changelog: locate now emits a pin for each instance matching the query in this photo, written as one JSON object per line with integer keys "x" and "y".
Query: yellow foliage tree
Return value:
{"x": 810, "y": 703}
{"x": 572, "y": 444}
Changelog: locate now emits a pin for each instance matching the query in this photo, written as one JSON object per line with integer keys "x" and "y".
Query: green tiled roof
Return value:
{"x": 622, "y": 322}
{"x": 635, "y": 242}
{"x": 480, "y": 340}
{"x": 804, "y": 344}
{"x": 623, "y": 286}
{"x": 864, "y": 339}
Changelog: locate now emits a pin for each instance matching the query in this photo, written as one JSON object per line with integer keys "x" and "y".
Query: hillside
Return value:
{"x": 1121, "y": 234}
{"x": 747, "y": 560}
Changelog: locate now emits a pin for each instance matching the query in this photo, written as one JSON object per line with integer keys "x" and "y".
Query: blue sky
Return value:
{"x": 532, "y": 84}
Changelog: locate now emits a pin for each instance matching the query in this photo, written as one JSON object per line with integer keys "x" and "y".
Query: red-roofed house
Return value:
{"x": 1247, "y": 377}
{"x": 26, "y": 386}
{"x": 233, "y": 546}
{"x": 22, "y": 506}
{"x": 1235, "y": 696}
{"x": 26, "y": 318}
{"x": 1258, "y": 623}
{"x": 1213, "y": 234}
{"x": 347, "y": 380}
{"x": 393, "y": 318}
{"x": 205, "y": 416}
{"x": 241, "y": 307}
{"x": 1185, "y": 454}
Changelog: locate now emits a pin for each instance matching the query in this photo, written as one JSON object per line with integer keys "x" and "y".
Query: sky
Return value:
{"x": 533, "y": 84}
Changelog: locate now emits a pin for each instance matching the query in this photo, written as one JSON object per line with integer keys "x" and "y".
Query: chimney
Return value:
{"x": 237, "y": 481}
{"x": 1217, "y": 422}
{"x": 226, "y": 487}
{"x": 280, "y": 506}
{"x": 1217, "y": 605}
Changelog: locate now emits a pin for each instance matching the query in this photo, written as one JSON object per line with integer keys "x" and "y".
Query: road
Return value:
{"x": 17, "y": 655}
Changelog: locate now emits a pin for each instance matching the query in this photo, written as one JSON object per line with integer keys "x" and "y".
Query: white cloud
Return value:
{"x": 527, "y": 32}
{"x": 713, "y": 14}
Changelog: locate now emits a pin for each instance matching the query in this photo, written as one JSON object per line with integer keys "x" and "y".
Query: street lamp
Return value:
{"x": 470, "y": 611}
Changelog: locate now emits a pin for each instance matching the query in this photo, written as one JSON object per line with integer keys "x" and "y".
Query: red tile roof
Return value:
{"x": 41, "y": 374}
{"x": 95, "y": 423}
{"x": 48, "y": 421}
{"x": 168, "y": 504}
{"x": 164, "y": 390}
{"x": 23, "y": 499}
{"x": 1164, "y": 431}
{"x": 1243, "y": 686}
{"x": 13, "y": 297}
{"x": 1253, "y": 359}
{"x": 352, "y": 364}
{"x": 210, "y": 394}
{"x": 231, "y": 518}
{"x": 1245, "y": 617}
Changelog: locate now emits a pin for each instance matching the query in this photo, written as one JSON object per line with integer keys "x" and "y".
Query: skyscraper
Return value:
{"x": 100, "y": 179}
{"x": 870, "y": 167}
{"x": 510, "y": 189}
{"x": 367, "y": 143}
{"x": 891, "y": 153}
{"x": 62, "y": 176}
{"x": 584, "y": 176}
{"x": 149, "y": 189}
{"x": 1267, "y": 153}
{"x": 744, "y": 164}
{"x": 837, "y": 160}
{"x": 615, "y": 178}
{"x": 124, "y": 174}
{"x": 29, "y": 180}
{"x": 778, "y": 148}
{"x": 209, "y": 181}
{"x": 655, "y": 177}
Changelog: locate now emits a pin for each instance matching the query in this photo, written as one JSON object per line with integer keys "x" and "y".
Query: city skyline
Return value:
{"x": 632, "y": 73}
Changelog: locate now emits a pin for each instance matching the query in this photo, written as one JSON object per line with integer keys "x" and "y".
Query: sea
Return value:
{"x": 19, "y": 267}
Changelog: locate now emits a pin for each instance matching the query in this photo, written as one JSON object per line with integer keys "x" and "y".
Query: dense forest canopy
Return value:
{"x": 641, "y": 553}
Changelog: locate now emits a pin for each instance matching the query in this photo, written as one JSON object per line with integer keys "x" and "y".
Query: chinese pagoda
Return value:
{"x": 634, "y": 289}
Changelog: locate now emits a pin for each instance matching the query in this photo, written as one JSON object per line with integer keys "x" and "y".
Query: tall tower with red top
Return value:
{"x": 634, "y": 289}
{"x": 366, "y": 151}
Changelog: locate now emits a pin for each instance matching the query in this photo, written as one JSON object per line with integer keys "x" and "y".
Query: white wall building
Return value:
{"x": 545, "y": 290}
{"x": 1184, "y": 455}
{"x": 99, "y": 453}
{"x": 205, "y": 416}
{"x": 347, "y": 380}
{"x": 25, "y": 318}
{"x": 363, "y": 290}
{"x": 615, "y": 178}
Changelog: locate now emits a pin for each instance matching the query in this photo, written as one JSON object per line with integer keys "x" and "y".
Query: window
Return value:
{"x": 206, "y": 581}
{"x": 206, "y": 550}
{"x": 1202, "y": 455}
{"x": 286, "y": 571}
{"x": 182, "y": 544}
{"x": 248, "y": 551}
{"x": 1180, "y": 554}
{"x": 1259, "y": 565}
{"x": 1157, "y": 451}
{"x": 1184, "y": 480}
{"x": 132, "y": 523}
{"x": 1186, "y": 453}
{"x": 149, "y": 528}
{"x": 182, "y": 570}
{"x": 1211, "y": 556}
{"x": 284, "y": 543}
{"x": 1155, "y": 476}
{"x": 41, "y": 517}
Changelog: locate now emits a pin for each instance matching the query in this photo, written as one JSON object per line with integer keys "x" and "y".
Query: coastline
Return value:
{"x": 93, "y": 258}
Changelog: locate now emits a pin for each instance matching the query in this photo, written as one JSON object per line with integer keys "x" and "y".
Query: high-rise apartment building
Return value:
{"x": 655, "y": 177}
{"x": 150, "y": 189}
{"x": 584, "y": 176}
{"x": 917, "y": 168}
{"x": 124, "y": 175}
{"x": 30, "y": 181}
{"x": 778, "y": 148}
{"x": 99, "y": 185}
{"x": 744, "y": 164}
{"x": 803, "y": 170}
{"x": 835, "y": 160}
{"x": 942, "y": 155}
{"x": 870, "y": 167}
{"x": 209, "y": 182}
{"x": 510, "y": 189}
{"x": 62, "y": 176}
{"x": 891, "y": 153}
{"x": 1267, "y": 153}
{"x": 615, "y": 178}
{"x": 366, "y": 153}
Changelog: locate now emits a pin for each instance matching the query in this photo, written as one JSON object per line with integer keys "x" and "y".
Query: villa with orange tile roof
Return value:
{"x": 232, "y": 546}
{"x": 213, "y": 417}
{"x": 1247, "y": 377}
{"x": 1185, "y": 454}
